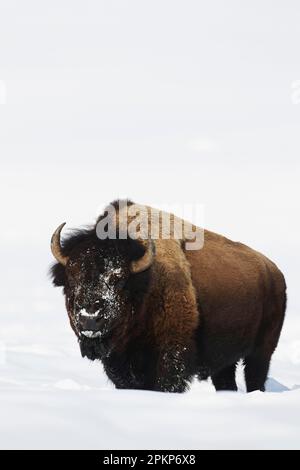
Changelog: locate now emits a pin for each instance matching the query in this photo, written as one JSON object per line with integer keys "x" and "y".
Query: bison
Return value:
{"x": 157, "y": 314}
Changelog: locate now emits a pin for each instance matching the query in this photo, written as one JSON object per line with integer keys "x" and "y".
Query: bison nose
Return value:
{"x": 88, "y": 323}
{"x": 93, "y": 306}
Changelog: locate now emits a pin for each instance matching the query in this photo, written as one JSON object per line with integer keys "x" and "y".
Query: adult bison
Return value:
{"x": 157, "y": 314}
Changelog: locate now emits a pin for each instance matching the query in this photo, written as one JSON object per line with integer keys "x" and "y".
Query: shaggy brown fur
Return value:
{"x": 192, "y": 312}
{"x": 242, "y": 299}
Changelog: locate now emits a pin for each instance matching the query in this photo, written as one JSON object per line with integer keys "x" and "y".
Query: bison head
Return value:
{"x": 104, "y": 282}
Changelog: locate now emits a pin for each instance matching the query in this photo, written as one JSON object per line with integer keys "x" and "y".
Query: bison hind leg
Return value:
{"x": 225, "y": 379}
{"x": 257, "y": 363}
{"x": 256, "y": 371}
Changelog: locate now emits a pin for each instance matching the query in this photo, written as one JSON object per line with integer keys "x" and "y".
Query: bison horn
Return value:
{"x": 56, "y": 246}
{"x": 146, "y": 260}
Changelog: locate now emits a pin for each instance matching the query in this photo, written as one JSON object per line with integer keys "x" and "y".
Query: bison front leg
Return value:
{"x": 174, "y": 322}
{"x": 174, "y": 370}
{"x": 133, "y": 370}
{"x": 120, "y": 377}
{"x": 123, "y": 376}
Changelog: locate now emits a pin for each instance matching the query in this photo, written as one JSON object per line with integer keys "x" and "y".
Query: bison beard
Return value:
{"x": 93, "y": 348}
{"x": 183, "y": 314}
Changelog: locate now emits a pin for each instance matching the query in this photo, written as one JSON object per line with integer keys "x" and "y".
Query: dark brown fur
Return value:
{"x": 242, "y": 300}
{"x": 191, "y": 313}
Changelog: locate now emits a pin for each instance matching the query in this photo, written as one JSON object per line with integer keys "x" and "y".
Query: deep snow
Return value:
{"x": 52, "y": 398}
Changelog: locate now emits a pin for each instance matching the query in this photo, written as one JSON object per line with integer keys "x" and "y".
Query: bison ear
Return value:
{"x": 58, "y": 275}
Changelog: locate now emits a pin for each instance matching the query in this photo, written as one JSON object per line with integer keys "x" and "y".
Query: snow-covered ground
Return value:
{"x": 52, "y": 398}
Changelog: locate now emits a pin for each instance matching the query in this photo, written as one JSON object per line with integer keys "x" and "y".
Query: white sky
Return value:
{"x": 162, "y": 101}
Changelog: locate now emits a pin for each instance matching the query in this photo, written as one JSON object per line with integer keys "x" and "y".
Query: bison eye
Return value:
{"x": 71, "y": 283}
{"x": 121, "y": 284}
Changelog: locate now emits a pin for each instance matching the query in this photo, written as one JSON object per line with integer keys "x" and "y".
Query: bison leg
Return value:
{"x": 175, "y": 369}
{"x": 256, "y": 371}
{"x": 132, "y": 369}
{"x": 225, "y": 379}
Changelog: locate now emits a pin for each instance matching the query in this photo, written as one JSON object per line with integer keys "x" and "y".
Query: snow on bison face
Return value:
{"x": 95, "y": 290}
{"x": 104, "y": 282}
